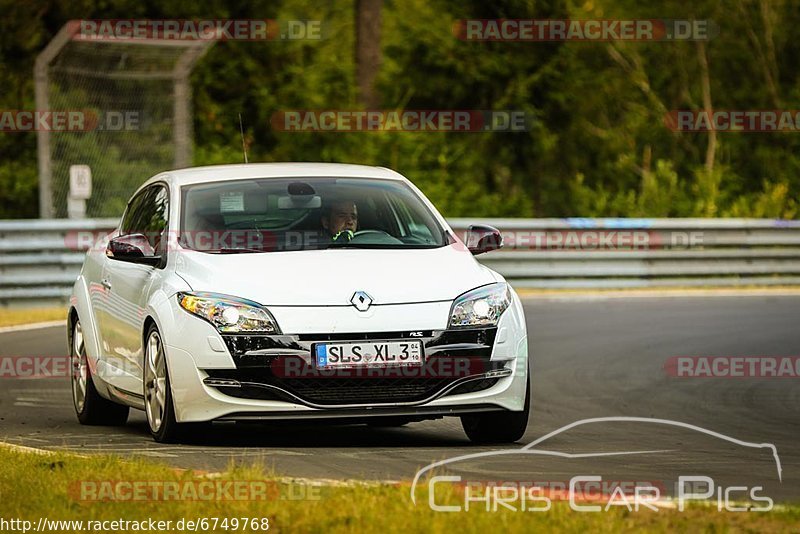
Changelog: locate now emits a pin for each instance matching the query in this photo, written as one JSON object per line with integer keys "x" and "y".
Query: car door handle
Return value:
{"x": 105, "y": 283}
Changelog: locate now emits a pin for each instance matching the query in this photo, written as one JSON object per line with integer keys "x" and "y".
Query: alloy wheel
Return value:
{"x": 155, "y": 382}
{"x": 79, "y": 366}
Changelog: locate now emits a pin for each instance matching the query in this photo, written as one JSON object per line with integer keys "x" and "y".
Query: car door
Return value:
{"x": 106, "y": 307}
{"x": 127, "y": 287}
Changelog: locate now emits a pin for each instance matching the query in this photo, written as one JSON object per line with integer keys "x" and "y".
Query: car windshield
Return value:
{"x": 268, "y": 215}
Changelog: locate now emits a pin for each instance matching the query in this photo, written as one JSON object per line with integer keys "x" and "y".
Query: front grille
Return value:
{"x": 363, "y": 390}
{"x": 255, "y": 349}
{"x": 264, "y": 360}
{"x": 373, "y": 386}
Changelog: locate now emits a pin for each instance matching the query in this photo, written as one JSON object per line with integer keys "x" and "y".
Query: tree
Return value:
{"x": 368, "y": 50}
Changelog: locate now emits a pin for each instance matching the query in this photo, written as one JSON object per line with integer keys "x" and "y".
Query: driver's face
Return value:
{"x": 344, "y": 216}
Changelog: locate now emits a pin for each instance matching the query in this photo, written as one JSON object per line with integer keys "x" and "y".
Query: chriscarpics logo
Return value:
{"x": 509, "y": 479}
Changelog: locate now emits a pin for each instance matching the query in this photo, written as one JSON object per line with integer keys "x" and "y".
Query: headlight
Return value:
{"x": 229, "y": 314}
{"x": 480, "y": 307}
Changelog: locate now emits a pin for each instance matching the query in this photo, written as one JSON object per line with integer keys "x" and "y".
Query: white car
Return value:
{"x": 295, "y": 291}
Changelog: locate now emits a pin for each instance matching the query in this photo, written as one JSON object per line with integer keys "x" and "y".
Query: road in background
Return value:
{"x": 592, "y": 357}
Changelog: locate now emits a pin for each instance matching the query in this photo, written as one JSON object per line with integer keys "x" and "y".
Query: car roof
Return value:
{"x": 219, "y": 173}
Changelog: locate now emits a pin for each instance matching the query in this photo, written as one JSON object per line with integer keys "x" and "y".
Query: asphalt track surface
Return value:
{"x": 591, "y": 358}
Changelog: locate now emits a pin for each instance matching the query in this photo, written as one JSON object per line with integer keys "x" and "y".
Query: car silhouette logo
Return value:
{"x": 533, "y": 448}
{"x": 361, "y": 300}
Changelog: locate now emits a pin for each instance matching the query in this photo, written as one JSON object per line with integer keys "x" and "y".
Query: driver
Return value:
{"x": 340, "y": 219}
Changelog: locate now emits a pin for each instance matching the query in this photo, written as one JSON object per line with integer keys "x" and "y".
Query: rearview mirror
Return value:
{"x": 482, "y": 238}
{"x": 133, "y": 248}
{"x": 301, "y": 195}
{"x": 286, "y": 202}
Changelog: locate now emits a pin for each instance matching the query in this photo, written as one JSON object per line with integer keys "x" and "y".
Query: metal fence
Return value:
{"x": 40, "y": 259}
{"x": 620, "y": 253}
{"x": 133, "y": 98}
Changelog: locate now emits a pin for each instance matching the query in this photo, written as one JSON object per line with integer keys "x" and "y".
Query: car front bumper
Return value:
{"x": 250, "y": 377}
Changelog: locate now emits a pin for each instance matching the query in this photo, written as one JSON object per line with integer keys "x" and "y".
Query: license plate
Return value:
{"x": 373, "y": 353}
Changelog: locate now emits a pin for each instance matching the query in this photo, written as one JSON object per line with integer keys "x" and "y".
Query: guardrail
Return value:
{"x": 622, "y": 253}
{"x": 39, "y": 259}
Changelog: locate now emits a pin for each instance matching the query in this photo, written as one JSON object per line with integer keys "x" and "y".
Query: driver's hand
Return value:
{"x": 343, "y": 236}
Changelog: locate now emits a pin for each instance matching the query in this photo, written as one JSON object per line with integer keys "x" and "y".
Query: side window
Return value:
{"x": 147, "y": 214}
{"x": 127, "y": 221}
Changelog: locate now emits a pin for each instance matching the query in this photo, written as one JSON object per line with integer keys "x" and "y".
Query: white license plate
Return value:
{"x": 372, "y": 353}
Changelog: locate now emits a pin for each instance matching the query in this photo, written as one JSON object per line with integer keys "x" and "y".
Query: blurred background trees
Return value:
{"x": 598, "y": 145}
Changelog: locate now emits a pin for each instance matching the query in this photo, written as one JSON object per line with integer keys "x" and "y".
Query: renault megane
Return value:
{"x": 295, "y": 291}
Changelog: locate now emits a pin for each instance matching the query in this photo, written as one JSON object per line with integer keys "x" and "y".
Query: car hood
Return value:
{"x": 330, "y": 277}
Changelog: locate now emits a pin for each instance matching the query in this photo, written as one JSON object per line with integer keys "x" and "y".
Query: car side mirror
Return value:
{"x": 133, "y": 248}
{"x": 482, "y": 238}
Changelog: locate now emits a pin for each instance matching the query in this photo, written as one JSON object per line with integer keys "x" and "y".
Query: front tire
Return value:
{"x": 507, "y": 427}
{"x": 157, "y": 392}
{"x": 90, "y": 407}
{"x": 158, "y": 401}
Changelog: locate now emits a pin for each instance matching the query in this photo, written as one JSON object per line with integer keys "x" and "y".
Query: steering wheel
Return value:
{"x": 248, "y": 224}
{"x": 370, "y": 232}
{"x": 377, "y": 237}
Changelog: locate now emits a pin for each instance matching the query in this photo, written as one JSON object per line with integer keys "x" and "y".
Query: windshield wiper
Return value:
{"x": 232, "y": 250}
{"x": 366, "y": 245}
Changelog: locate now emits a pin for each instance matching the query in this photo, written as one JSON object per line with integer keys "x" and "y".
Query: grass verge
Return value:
{"x": 50, "y": 486}
{"x": 14, "y": 317}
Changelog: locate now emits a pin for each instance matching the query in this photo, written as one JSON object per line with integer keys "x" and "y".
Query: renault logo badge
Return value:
{"x": 361, "y": 300}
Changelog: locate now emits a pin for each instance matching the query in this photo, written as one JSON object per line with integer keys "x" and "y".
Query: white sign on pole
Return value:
{"x": 80, "y": 182}
{"x": 76, "y": 208}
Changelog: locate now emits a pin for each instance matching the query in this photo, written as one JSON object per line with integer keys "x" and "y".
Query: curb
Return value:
{"x": 31, "y": 326}
{"x": 25, "y": 450}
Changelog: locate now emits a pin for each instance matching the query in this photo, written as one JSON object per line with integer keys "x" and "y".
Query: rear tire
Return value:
{"x": 90, "y": 407}
{"x": 506, "y": 427}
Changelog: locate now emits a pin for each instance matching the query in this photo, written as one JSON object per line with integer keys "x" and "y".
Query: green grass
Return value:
{"x": 13, "y": 316}
{"x": 34, "y": 486}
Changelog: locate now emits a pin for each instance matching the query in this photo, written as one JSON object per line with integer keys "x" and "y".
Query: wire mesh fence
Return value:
{"x": 133, "y": 99}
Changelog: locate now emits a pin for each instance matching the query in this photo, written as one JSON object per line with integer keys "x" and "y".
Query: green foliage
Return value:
{"x": 774, "y": 202}
{"x": 18, "y": 192}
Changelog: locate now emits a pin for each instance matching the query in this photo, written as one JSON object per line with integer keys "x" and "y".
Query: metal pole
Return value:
{"x": 42, "y": 89}
{"x": 41, "y": 81}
